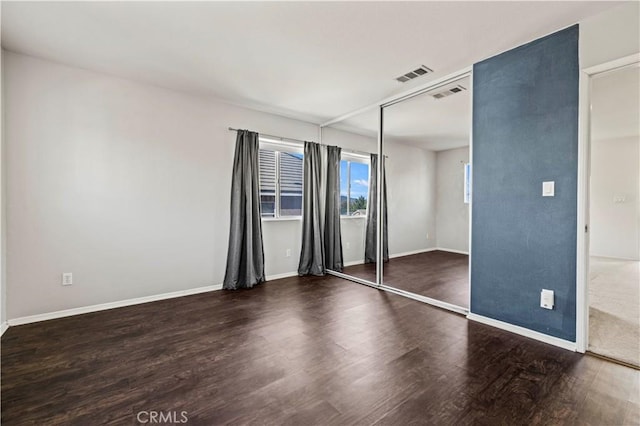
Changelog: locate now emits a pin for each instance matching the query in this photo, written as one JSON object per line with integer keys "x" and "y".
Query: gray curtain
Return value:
{"x": 332, "y": 237}
{"x": 372, "y": 214}
{"x": 245, "y": 258}
{"x": 312, "y": 252}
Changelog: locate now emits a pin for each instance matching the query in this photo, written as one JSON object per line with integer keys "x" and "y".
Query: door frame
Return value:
{"x": 584, "y": 173}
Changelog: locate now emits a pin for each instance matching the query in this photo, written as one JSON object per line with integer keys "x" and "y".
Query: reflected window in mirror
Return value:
{"x": 354, "y": 185}
{"x": 467, "y": 183}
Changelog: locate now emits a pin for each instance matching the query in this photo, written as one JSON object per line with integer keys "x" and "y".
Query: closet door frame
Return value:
{"x": 381, "y": 105}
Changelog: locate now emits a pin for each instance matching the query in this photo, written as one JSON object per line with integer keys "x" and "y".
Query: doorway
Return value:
{"x": 613, "y": 279}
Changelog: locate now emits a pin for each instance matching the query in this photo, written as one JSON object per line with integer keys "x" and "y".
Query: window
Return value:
{"x": 354, "y": 185}
{"x": 280, "y": 180}
{"x": 467, "y": 183}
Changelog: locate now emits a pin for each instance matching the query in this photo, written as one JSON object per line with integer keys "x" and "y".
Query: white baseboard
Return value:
{"x": 555, "y": 341}
{"x": 452, "y": 250}
{"x": 409, "y": 253}
{"x": 393, "y": 256}
{"x": 279, "y": 276}
{"x": 121, "y": 303}
{"x": 3, "y": 327}
{"x": 614, "y": 257}
{"x": 111, "y": 305}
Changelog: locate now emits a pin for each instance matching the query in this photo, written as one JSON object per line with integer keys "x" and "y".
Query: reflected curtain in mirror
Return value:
{"x": 372, "y": 214}
{"x": 245, "y": 258}
{"x": 312, "y": 251}
{"x": 332, "y": 237}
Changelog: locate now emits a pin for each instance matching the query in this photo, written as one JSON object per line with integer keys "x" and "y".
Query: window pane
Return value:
{"x": 344, "y": 182}
{"x": 359, "y": 189}
{"x": 290, "y": 184}
{"x": 267, "y": 161}
{"x": 267, "y": 205}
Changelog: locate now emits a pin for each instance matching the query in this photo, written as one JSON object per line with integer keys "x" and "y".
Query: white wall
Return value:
{"x": 615, "y": 172}
{"x": 411, "y": 196}
{"x": 124, "y": 184}
{"x": 610, "y": 35}
{"x": 452, "y": 214}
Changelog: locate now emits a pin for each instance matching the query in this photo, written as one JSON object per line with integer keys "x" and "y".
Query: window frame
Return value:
{"x": 350, "y": 157}
{"x": 278, "y": 147}
{"x": 467, "y": 183}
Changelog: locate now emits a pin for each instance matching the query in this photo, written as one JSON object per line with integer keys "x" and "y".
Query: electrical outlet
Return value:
{"x": 67, "y": 278}
{"x": 547, "y": 299}
{"x": 348, "y": 245}
{"x": 427, "y": 235}
{"x": 287, "y": 253}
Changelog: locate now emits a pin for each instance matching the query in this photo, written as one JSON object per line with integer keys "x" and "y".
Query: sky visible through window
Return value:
{"x": 353, "y": 202}
{"x": 359, "y": 180}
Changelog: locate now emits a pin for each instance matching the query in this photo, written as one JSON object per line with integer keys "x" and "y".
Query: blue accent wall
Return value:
{"x": 525, "y": 131}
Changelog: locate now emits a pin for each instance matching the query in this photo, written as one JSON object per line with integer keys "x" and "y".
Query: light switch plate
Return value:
{"x": 548, "y": 189}
{"x": 67, "y": 278}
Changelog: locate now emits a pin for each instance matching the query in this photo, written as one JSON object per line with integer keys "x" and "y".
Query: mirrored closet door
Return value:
{"x": 357, "y": 139}
{"x": 426, "y": 147}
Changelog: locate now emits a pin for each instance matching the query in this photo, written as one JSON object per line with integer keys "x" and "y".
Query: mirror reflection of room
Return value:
{"x": 357, "y": 138}
{"x": 426, "y": 146}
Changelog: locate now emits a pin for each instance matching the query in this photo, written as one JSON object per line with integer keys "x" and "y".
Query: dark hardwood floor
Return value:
{"x": 301, "y": 351}
{"x": 437, "y": 274}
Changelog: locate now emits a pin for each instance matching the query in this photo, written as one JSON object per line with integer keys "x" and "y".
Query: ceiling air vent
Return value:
{"x": 422, "y": 70}
{"x": 448, "y": 91}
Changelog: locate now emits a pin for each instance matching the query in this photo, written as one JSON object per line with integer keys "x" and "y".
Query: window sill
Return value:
{"x": 282, "y": 219}
{"x": 353, "y": 217}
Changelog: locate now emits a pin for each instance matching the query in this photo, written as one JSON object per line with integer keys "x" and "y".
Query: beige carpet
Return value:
{"x": 614, "y": 309}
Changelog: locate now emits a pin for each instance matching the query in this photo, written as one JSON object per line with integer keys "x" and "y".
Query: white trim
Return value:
{"x": 424, "y": 299}
{"x": 612, "y": 65}
{"x": 582, "y": 243}
{"x": 281, "y": 145}
{"x": 3, "y": 327}
{"x": 280, "y": 276}
{"x": 354, "y": 262}
{"x": 470, "y": 181}
{"x": 452, "y": 250}
{"x": 582, "y": 266}
{"x": 630, "y": 259}
{"x": 352, "y": 278}
{"x": 361, "y": 217}
{"x": 111, "y": 305}
{"x": 409, "y": 253}
{"x": 555, "y": 341}
{"x": 282, "y": 219}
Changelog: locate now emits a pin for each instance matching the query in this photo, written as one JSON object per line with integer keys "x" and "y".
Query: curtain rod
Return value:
{"x": 282, "y": 139}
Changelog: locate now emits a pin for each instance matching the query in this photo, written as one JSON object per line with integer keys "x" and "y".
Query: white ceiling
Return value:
{"x": 615, "y": 104}
{"x": 308, "y": 60}
{"x": 422, "y": 121}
